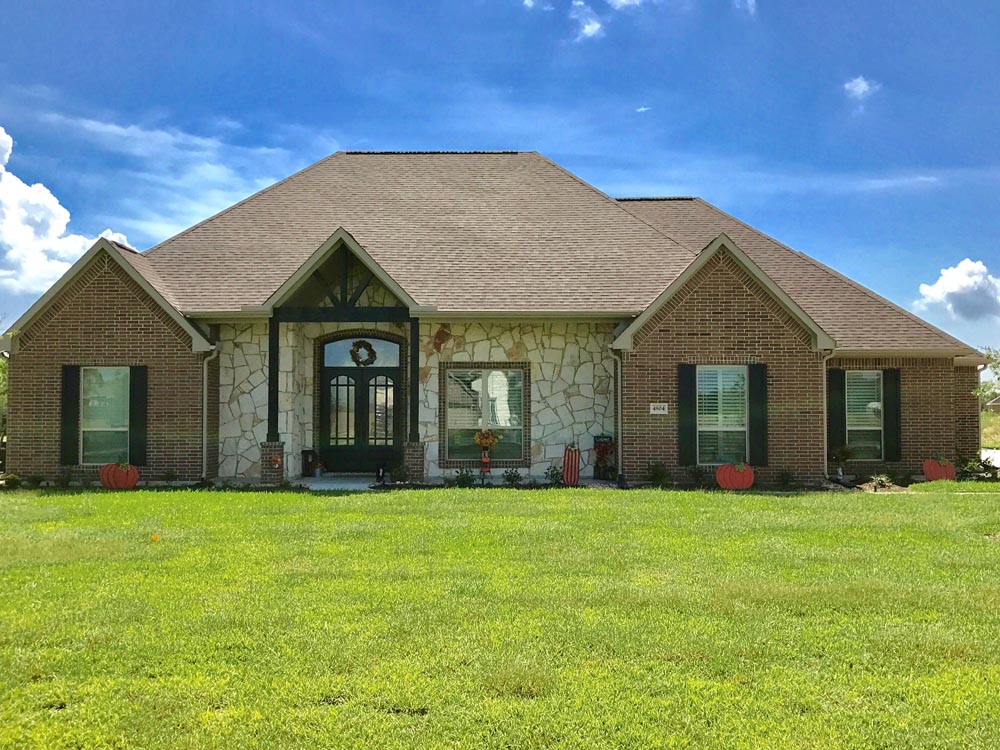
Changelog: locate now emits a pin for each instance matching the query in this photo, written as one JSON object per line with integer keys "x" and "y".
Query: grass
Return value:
{"x": 990, "y": 429}
{"x": 500, "y": 618}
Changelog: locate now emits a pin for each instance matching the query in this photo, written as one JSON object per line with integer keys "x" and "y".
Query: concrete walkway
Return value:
{"x": 337, "y": 482}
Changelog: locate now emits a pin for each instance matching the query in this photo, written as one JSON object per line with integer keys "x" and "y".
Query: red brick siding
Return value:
{"x": 105, "y": 319}
{"x": 939, "y": 414}
{"x": 723, "y": 316}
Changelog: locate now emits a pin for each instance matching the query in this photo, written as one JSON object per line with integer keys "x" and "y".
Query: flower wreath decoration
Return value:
{"x": 369, "y": 357}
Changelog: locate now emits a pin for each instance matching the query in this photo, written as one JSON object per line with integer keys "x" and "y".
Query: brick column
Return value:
{"x": 272, "y": 463}
{"x": 413, "y": 461}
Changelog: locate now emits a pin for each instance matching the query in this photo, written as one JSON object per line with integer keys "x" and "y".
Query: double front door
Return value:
{"x": 360, "y": 429}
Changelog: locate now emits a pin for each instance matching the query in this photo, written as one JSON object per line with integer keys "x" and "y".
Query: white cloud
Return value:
{"x": 750, "y": 6}
{"x": 35, "y": 249}
{"x": 967, "y": 291}
{"x": 176, "y": 178}
{"x": 619, "y": 4}
{"x": 859, "y": 89}
{"x": 529, "y": 3}
{"x": 642, "y": 109}
{"x": 590, "y": 25}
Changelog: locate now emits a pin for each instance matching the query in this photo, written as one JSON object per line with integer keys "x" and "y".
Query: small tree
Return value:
{"x": 989, "y": 389}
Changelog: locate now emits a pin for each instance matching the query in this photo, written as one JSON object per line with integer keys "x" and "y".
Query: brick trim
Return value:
{"x": 511, "y": 463}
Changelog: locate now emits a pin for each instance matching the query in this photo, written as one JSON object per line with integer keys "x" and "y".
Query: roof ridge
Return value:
{"x": 392, "y": 152}
{"x": 236, "y": 205}
{"x": 823, "y": 267}
{"x": 611, "y": 200}
{"x": 662, "y": 198}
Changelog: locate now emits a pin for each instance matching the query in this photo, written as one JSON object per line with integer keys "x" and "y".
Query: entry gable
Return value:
{"x": 330, "y": 278}
{"x": 820, "y": 340}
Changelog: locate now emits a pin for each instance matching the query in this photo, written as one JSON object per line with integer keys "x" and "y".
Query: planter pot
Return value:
{"x": 118, "y": 477}
{"x": 734, "y": 476}
{"x": 934, "y": 469}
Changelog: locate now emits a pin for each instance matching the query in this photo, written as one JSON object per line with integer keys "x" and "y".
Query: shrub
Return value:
{"x": 881, "y": 481}
{"x": 697, "y": 474}
{"x": 658, "y": 475}
{"x": 553, "y": 474}
{"x": 978, "y": 469}
{"x": 33, "y": 482}
{"x": 786, "y": 478}
{"x": 11, "y": 481}
{"x": 169, "y": 476}
{"x": 512, "y": 478}
{"x": 464, "y": 477}
{"x": 63, "y": 478}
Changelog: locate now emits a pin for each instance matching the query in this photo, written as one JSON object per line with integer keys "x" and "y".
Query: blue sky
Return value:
{"x": 865, "y": 134}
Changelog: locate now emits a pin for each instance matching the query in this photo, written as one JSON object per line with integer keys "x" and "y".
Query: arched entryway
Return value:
{"x": 361, "y": 416}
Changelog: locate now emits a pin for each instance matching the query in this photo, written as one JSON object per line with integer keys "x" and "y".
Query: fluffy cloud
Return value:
{"x": 589, "y": 23}
{"x": 861, "y": 88}
{"x": 967, "y": 291}
{"x": 619, "y": 4}
{"x": 750, "y": 6}
{"x": 35, "y": 248}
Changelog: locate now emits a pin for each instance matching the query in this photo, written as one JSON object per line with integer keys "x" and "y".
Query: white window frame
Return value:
{"x": 746, "y": 412}
{"x": 847, "y": 415}
{"x": 484, "y": 403}
{"x": 128, "y": 416}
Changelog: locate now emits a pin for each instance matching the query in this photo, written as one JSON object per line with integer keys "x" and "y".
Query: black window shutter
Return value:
{"x": 69, "y": 416}
{"x": 892, "y": 424}
{"x": 757, "y": 397}
{"x": 137, "y": 421}
{"x": 836, "y": 409}
{"x": 687, "y": 415}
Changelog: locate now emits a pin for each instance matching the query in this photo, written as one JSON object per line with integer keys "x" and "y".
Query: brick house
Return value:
{"x": 380, "y": 308}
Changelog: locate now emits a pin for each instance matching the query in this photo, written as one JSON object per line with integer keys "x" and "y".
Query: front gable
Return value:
{"x": 723, "y": 254}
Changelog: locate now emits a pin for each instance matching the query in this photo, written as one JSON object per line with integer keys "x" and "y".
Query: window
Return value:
{"x": 863, "y": 392}
{"x": 485, "y": 399}
{"x": 104, "y": 399}
{"x": 722, "y": 415}
{"x": 338, "y": 353}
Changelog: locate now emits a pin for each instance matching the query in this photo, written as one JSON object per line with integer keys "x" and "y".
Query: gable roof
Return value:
{"x": 466, "y": 232}
{"x": 857, "y": 318}
{"x": 135, "y": 265}
{"x": 820, "y": 339}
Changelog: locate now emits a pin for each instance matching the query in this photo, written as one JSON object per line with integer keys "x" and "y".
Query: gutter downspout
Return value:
{"x": 827, "y": 356}
{"x": 619, "y": 417}
{"x": 204, "y": 412}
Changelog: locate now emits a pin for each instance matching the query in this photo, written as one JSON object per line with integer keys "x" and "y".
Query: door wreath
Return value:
{"x": 369, "y": 357}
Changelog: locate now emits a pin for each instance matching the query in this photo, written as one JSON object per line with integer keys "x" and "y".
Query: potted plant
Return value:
{"x": 938, "y": 468}
{"x": 604, "y": 451}
{"x": 487, "y": 440}
{"x": 735, "y": 476}
{"x": 121, "y": 476}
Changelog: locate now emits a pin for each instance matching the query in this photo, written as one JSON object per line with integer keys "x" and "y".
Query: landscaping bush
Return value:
{"x": 658, "y": 475}
{"x": 512, "y": 478}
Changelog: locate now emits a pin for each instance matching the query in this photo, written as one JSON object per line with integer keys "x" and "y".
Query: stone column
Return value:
{"x": 272, "y": 463}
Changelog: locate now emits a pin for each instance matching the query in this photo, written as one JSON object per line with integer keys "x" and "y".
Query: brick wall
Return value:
{"x": 939, "y": 414}
{"x": 105, "y": 319}
{"x": 724, "y": 317}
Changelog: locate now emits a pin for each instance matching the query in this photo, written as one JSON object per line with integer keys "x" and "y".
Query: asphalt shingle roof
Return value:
{"x": 496, "y": 232}
{"x": 854, "y": 316}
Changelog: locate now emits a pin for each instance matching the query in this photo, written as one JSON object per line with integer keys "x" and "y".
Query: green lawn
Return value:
{"x": 990, "y": 429}
{"x": 500, "y": 619}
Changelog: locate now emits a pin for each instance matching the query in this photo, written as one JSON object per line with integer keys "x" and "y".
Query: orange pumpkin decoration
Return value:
{"x": 119, "y": 476}
{"x": 734, "y": 476}
{"x": 938, "y": 468}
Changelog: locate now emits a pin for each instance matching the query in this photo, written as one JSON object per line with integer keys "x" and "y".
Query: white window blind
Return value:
{"x": 722, "y": 414}
{"x": 485, "y": 399}
{"x": 863, "y": 393}
{"x": 104, "y": 396}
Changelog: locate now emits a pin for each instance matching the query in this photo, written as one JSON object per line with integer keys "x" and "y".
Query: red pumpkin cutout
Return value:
{"x": 734, "y": 476}
{"x": 938, "y": 468}
{"x": 119, "y": 476}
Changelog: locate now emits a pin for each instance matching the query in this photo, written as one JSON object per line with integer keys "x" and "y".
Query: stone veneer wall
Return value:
{"x": 243, "y": 392}
{"x": 571, "y": 385}
{"x": 571, "y": 381}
